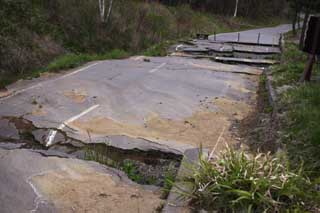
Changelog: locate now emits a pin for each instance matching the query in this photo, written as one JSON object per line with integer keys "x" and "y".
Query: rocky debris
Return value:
{"x": 229, "y": 52}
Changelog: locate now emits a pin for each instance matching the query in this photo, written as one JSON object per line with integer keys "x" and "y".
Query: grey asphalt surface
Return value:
{"x": 126, "y": 91}
{"x": 268, "y": 36}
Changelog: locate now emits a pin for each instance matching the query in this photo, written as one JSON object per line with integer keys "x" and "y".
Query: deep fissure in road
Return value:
{"x": 144, "y": 167}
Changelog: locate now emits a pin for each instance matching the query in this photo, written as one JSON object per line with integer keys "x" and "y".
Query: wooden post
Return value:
{"x": 308, "y": 68}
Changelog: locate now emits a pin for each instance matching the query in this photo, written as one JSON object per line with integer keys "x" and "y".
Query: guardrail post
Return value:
{"x": 259, "y": 38}
{"x": 238, "y": 37}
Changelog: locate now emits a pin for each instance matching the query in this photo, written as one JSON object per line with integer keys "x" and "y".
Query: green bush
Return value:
{"x": 74, "y": 60}
{"x": 302, "y": 126}
{"x": 292, "y": 67}
{"x": 237, "y": 182}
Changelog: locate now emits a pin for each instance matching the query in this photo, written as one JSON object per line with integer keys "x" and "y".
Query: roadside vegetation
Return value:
{"x": 300, "y": 104}
{"x": 237, "y": 182}
{"x": 38, "y": 36}
{"x": 282, "y": 171}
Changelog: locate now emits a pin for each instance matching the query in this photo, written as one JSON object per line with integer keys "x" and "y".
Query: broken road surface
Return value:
{"x": 164, "y": 104}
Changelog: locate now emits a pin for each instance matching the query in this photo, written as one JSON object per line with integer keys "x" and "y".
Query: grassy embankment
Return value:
{"x": 300, "y": 104}
{"x": 36, "y": 37}
{"x": 286, "y": 181}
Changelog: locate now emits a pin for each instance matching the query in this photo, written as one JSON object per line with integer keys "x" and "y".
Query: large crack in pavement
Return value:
{"x": 141, "y": 133}
{"x": 144, "y": 167}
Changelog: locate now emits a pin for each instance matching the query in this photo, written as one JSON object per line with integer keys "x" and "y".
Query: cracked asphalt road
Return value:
{"x": 137, "y": 99}
{"x": 169, "y": 104}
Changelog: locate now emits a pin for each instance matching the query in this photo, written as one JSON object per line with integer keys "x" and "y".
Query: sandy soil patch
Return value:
{"x": 78, "y": 96}
{"x": 82, "y": 189}
{"x": 38, "y": 111}
{"x": 4, "y": 93}
{"x": 203, "y": 127}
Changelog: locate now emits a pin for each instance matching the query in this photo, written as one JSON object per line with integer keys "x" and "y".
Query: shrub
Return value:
{"x": 73, "y": 60}
{"x": 237, "y": 182}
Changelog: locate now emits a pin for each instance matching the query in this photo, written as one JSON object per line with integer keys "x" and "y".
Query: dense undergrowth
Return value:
{"x": 300, "y": 105}
{"x": 238, "y": 182}
{"x": 289, "y": 179}
{"x": 34, "y": 33}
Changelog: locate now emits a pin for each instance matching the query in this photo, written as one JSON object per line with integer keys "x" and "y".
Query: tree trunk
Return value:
{"x": 236, "y": 9}
{"x": 308, "y": 69}
{"x": 294, "y": 22}
{"x": 102, "y": 10}
{"x": 304, "y": 27}
{"x": 109, "y": 11}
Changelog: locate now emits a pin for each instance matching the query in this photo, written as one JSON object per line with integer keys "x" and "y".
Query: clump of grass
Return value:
{"x": 292, "y": 66}
{"x": 302, "y": 126}
{"x": 160, "y": 49}
{"x": 73, "y": 60}
{"x": 169, "y": 179}
{"x": 237, "y": 182}
{"x": 132, "y": 171}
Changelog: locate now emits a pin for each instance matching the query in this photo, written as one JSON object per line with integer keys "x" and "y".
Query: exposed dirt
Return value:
{"x": 238, "y": 86}
{"x": 78, "y": 96}
{"x": 79, "y": 188}
{"x": 229, "y": 68}
{"x": 4, "y": 93}
{"x": 203, "y": 127}
{"x": 38, "y": 111}
{"x": 260, "y": 128}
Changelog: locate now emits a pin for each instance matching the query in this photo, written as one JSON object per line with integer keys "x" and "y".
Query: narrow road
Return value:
{"x": 268, "y": 36}
{"x": 164, "y": 104}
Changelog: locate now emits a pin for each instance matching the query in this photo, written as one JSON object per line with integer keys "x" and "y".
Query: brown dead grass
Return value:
{"x": 203, "y": 127}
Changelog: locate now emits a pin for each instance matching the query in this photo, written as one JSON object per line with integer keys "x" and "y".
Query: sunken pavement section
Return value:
{"x": 65, "y": 137}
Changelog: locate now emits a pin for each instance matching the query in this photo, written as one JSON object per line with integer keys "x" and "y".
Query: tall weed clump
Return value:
{"x": 237, "y": 182}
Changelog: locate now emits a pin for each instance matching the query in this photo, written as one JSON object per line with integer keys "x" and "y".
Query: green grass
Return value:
{"x": 237, "y": 182}
{"x": 131, "y": 170}
{"x": 74, "y": 60}
{"x": 160, "y": 49}
{"x": 302, "y": 126}
{"x": 292, "y": 67}
{"x": 63, "y": 62}
{"x": 300, "y": 132}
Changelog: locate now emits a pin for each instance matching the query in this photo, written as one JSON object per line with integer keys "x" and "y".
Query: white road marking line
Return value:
{"x": 177, "y": 48}
{"x": 38, "y": 199}
{"x": 53, "y": 133}
{"x": 157, "y": 68}
{"x": 14, "y": 93}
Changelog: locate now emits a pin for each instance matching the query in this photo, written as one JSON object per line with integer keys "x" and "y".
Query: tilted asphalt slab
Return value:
{"x": 268, "y": 36}
{"x": 128, "y": 92}
{"x": 170, "y": 104}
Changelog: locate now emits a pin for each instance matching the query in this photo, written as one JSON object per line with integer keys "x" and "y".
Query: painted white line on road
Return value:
{"x": 53, "y": 133}
{"x": 157, "y": 68}
{"x": 39, "y": 198}
{"x": 14, "y": 93}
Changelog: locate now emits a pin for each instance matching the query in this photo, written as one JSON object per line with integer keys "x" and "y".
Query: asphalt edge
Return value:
{"x": 174, "y": 203}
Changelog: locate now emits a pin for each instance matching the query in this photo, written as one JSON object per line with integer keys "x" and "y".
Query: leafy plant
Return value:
{"x": 131, "y": 170}
{"x": 169, "y": 179}
{"x": 237, "y": 182}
